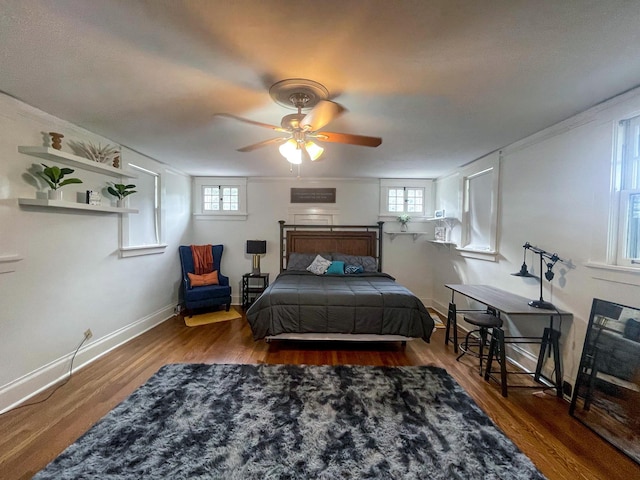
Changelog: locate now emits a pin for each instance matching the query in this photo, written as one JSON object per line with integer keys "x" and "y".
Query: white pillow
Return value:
{"x": 319, "y": 265}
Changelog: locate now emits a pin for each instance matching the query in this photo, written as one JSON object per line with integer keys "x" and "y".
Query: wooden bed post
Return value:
{"x": 281, "y": 222}
{"x": 380, "y": 246}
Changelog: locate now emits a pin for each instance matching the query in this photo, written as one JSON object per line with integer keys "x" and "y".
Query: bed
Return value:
{"x": 367, "y": 305}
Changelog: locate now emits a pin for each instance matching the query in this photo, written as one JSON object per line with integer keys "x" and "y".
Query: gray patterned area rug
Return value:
{"x": 193, "y": 421}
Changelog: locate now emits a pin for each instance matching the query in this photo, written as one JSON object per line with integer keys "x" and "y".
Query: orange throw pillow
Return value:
{"x": 202, "y": 280}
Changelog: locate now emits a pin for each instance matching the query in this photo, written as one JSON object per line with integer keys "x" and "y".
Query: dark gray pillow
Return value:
{"x": 300, "y": 261}
{"x": 368, "y": 263}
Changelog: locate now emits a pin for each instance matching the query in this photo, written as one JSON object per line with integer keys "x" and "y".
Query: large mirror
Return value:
{"x": 606, "y": 397}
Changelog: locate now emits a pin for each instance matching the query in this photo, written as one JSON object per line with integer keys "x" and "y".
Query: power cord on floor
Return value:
{"x": 57, "y": 387}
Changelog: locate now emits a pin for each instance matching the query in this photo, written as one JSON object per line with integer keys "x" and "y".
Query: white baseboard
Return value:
{"x": 25, "y": 387}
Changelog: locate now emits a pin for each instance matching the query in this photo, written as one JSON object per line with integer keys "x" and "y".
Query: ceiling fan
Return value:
{"x": 300, "y": 129}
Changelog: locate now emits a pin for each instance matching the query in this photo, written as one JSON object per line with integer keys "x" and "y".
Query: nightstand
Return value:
{"x": 253, "y": 286}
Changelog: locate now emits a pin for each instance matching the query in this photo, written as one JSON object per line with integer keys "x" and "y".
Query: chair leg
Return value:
{"x": 483, "y": 340}
{"x": 497, "y": 351}
{"x": 452, "y": 323}
{"x": 228, "y": 306}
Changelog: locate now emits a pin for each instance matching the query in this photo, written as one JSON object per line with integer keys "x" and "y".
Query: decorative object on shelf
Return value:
{"x": 116, "y": 162}
{"x": 94, "y": 197}
{"x": 101, "y": 154}
{"x": 54, "y": 178}
{"x": 404, "y": 219}
{"x": 439, "y": 214}
{"x": 550, "y": 261}
{"x": 121, "y": 191}
{"x": 56, "y": 140}
{"x": 440, "y": 234}
{"x": 256, "y": 248}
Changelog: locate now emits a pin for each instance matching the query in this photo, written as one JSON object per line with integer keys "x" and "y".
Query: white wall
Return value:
{"x": 357, "y": 203}
{"x": 554, "y": 194}
{"x": 70, "y": 276}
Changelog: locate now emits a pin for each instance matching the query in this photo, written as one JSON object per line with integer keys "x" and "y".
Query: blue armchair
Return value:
{"x": 209, "y": 295}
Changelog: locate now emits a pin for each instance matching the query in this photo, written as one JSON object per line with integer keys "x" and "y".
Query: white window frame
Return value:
{"x": 387, "y": 184}
{"x": 625, "y": 183}
{"x": 488, "y": 165}
{"x": 127, "y": 249}
{"x": 199, "y": 183}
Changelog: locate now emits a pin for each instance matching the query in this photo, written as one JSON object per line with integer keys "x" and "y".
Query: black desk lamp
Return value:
{"x": 256, "y": 248}
{"x": 524, "y": 271}
{"x": 550, "y": 260}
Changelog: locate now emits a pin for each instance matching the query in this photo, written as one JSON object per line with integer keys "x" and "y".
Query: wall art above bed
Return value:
{"x": 313, "y": 195}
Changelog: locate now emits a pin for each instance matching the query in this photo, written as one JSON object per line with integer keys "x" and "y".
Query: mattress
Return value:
{"x": 366, "y": 303}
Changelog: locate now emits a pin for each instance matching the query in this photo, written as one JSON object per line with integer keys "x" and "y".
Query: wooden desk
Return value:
{"x": 511, "y": 304}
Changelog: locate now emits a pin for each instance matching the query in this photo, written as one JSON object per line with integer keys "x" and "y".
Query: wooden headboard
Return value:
{"x": 348, "y": 239}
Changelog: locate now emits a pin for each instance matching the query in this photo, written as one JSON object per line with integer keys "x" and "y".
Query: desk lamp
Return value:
{"x": 550, "y": 260}
{"x": 524, "y": 271}
{"x": 256, "y": 248}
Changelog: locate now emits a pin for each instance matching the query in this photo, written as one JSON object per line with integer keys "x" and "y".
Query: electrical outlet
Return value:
{"x": 88, "y": 334}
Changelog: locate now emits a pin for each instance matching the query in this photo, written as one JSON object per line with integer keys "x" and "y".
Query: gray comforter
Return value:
{"x": 368, "y": 303}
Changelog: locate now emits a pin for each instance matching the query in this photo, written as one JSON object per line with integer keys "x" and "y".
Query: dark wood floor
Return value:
{"x": 539, "y": 423}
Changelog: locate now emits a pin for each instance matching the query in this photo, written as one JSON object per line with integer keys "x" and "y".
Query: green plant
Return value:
{"x": 54, "y": 176}
{"x": 404, "y": 218}
{"x": 121, "y": 190}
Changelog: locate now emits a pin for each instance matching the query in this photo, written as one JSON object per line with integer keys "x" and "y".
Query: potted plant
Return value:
{"x": 54, "y": 177}
{"x": 404, "y": 219}
{"x": 121, "y": 191}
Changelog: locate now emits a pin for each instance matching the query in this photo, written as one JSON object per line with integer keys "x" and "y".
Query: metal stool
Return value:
{"x": 484, "y": 321}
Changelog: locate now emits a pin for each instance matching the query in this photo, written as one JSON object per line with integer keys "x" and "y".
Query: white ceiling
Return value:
{"x": 442, "y": 82}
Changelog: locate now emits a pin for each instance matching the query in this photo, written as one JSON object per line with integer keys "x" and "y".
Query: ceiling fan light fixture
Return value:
{"x": 314, "y": 150}
{"x": 295, "y": 157}
{"x": 291, "y": 151}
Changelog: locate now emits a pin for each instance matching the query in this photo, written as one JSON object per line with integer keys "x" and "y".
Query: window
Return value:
{"x": 142, "y": 233}
{"x": 220, "y": 197}
{"x": 405, "y": 196}
{"x": 407, "y": 200}
{"x": 625, "y": 215}
{"x": 480, "y": 205}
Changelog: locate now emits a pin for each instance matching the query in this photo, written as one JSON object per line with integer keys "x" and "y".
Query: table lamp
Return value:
{"x": 256, "y": 248}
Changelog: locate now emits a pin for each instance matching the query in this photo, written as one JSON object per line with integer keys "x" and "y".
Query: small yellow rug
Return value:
{"x": 436, "y": 318}
{"x": 211, "y": 317}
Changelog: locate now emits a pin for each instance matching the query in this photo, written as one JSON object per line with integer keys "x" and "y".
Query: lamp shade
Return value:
{"x": 257, "y": 247}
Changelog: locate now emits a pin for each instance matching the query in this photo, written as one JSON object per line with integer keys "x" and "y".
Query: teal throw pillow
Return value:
{"x": 336, "y": 267}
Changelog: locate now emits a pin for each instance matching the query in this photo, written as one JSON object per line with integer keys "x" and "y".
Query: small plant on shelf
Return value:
{"x": 404, "y": 219}
{"x": 54, "y": 176}
{"x": 120, "y": 190}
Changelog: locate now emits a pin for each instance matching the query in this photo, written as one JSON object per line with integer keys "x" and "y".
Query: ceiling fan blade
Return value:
{"x": 252, "y": 122}
{"x": 349, "y": 138}
{"x": 265, "y": 143}
{"x": 320, "y": 115}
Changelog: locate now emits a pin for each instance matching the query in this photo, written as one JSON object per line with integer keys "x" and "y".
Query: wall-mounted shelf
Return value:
{"x": 415, "y": 235}
{"x": 43, "y": 202}
{"x": 440, "y": 242}
{"x": 54, "y": 155}
{"x": 446, "y": 220}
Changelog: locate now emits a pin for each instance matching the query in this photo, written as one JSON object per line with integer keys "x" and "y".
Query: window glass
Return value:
{"x": 633, "y": 229}
{"x": 625, "y": 234}
{"x": 220, "y": 197}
